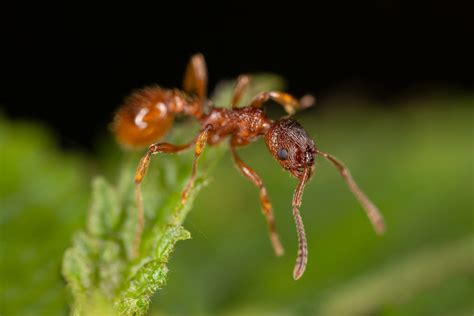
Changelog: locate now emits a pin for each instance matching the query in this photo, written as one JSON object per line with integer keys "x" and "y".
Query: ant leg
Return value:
{"x": 289, "y": 103}
{"x": 201, "y": 142}
{"x": 372, "y": 211}
{"x": 139, "y": 175}
{"x": 195, "y": 77}
{"x": 264, "y": 200}
{"x": 242, "y": 83}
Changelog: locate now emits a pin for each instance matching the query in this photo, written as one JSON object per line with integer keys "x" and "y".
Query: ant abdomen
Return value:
{"x": 145, "y": 117}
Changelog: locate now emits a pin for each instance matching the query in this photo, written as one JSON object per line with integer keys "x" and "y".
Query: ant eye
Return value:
{"x": 282, "y": 154}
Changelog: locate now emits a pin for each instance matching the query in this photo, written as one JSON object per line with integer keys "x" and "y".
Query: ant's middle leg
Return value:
{"x": 289, "y": 103}
{"x": 264, "y": 200}
{"x": 142, "y": 168}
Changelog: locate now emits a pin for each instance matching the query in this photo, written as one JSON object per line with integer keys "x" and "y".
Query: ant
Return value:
{"x": 148, "y": 114}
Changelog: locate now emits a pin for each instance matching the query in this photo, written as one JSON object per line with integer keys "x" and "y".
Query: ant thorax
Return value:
{"x": 244, "y": 124}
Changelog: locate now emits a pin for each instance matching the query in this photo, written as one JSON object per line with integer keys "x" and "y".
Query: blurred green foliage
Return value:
{"x": 43, "y": 198}
{"x": 414, "y": 160}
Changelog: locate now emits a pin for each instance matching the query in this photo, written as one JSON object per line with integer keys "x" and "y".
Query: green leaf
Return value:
{"x": 99, "y": 265}
{"x": 151, "y": 276}
{"x": 105, "y": 210}
{"x": 148, "y": 279}
{"x": 79, "y": 268}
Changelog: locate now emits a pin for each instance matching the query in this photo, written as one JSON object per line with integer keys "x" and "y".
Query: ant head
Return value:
{"x": 294, "y": 150}
{"x": 292, "y": 147}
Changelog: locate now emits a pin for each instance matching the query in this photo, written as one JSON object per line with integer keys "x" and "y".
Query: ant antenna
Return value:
{"x": 372, "y": 211}
{"x": 302, "y": 256}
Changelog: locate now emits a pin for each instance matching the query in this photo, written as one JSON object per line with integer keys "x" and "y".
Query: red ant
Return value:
{"x": 148, "y": 114}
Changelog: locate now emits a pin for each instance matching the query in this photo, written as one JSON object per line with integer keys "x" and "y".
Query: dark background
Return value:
{"x": 71, "y": 67}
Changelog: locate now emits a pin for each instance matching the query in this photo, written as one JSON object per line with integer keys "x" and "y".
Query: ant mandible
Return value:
{"x": 148, "y": 114}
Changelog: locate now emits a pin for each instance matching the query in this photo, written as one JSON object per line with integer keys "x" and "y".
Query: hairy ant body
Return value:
{"x": 148, "y": 114}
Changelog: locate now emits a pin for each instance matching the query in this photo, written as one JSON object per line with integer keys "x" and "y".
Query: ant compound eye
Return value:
{"x": 282, "y": 154}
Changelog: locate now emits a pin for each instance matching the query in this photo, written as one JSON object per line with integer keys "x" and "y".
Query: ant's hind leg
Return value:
{"x": 264, "y": 200}
{"x": 242, "y": 83}
{"x": 201, "y": 142}
{"x": 195, "y": 78}
{"x": 139, "y": 175}
{"x": 289, "y": 103}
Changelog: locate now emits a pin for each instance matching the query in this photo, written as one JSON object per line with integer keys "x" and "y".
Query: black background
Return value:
{"x": 71, "y": 67}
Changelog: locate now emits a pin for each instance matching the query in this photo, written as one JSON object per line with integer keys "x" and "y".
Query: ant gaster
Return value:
{"x": 148, "y": 114}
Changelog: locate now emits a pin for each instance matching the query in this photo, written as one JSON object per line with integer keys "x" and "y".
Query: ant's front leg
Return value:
{"x": 289, "y": 103}
{"x": 264, "y": 199}
{"x": 201, "y": 142}
{"x": 142, "y": 168}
